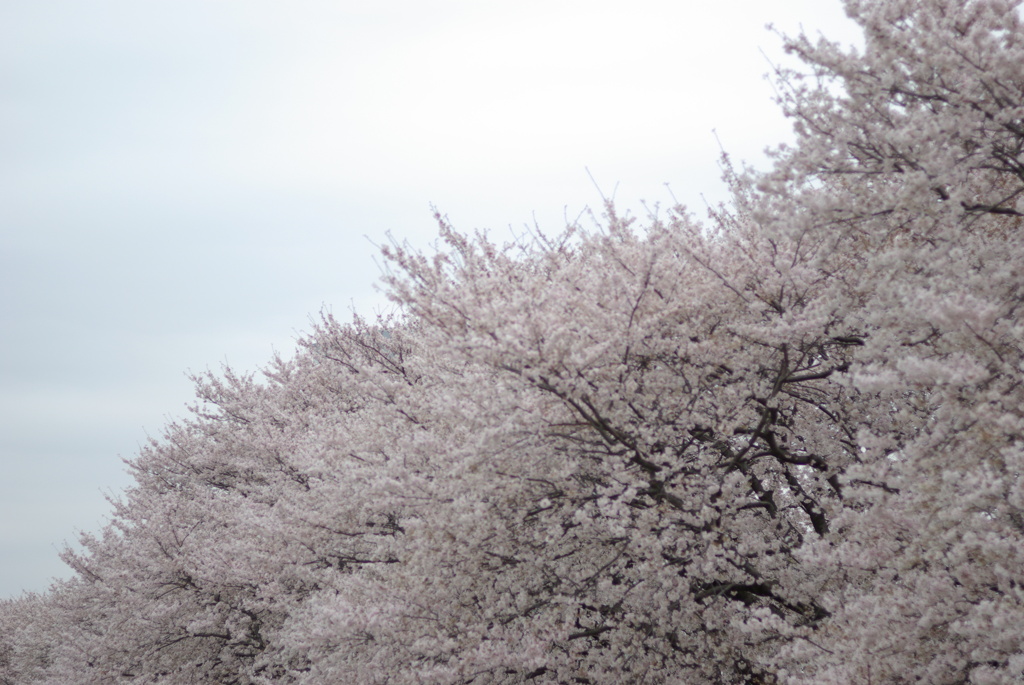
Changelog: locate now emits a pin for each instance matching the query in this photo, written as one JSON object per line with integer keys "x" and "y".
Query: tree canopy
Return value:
{"x": 782, "y": 445}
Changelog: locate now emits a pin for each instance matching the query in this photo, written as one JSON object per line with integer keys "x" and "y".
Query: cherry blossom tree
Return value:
{"x": 783, "y": 445}
{"x": 915, "y": 160}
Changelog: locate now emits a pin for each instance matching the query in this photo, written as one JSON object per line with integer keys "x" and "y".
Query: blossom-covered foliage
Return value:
{"x": 785, "y": 445}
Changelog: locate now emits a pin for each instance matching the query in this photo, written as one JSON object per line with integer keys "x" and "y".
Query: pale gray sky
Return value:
{"x": 183, "y": 183}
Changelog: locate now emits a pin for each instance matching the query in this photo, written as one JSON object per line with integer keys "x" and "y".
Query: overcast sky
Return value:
{"x": 184, "y": 183}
